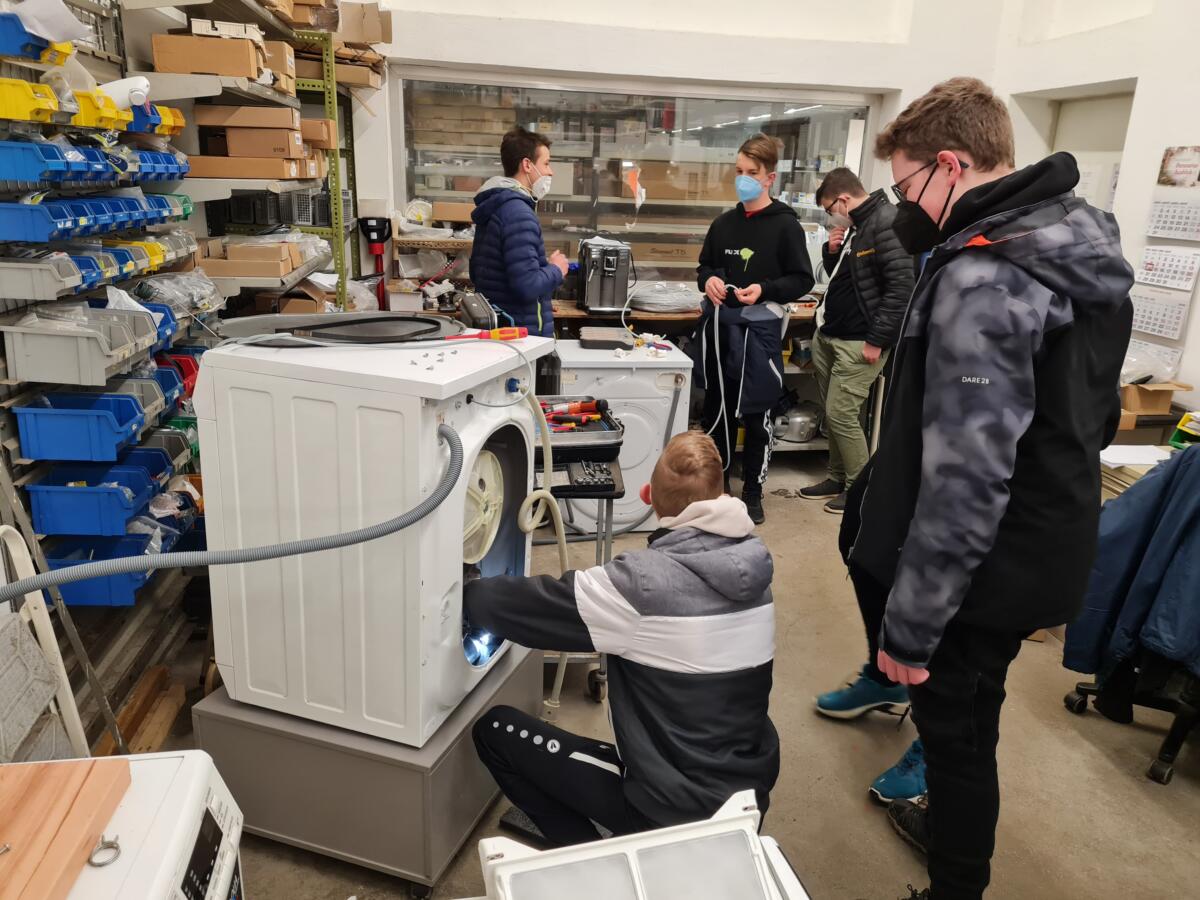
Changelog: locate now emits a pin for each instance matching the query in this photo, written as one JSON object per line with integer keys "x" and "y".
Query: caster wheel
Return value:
{"x": 1161, "y": 772}
{"x": 420, "y": 892}
{"x": 597, "y": 688}
{"x": 1076, "y": 703}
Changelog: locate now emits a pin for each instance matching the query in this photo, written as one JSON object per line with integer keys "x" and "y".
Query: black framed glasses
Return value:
{"x": 898, "y": 187}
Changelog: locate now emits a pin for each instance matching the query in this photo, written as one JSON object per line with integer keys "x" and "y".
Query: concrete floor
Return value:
{"x": 1079, "y": 817}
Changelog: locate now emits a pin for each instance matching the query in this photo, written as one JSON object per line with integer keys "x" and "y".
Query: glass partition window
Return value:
{"x": 680, "y": 151}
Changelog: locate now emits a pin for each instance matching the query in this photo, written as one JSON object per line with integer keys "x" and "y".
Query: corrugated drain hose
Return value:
{"x": 156, "y": 561}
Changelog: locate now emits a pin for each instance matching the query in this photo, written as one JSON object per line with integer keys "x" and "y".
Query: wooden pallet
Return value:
{"x": 147, "y": 717}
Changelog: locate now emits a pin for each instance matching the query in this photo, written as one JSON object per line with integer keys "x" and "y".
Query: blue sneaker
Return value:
{"x": 861, "y": 696}
{"x": 903, "y": 781}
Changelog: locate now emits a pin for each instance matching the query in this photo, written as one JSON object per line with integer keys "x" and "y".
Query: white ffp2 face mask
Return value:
{"x": 541, "y": 187}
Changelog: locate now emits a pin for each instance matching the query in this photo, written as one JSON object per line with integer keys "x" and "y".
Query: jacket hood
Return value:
{"x": 1033, "y": 220}
{"x": 776, "y": 208}
{"x": 713, "y": 540}
{"x": 496, "y": 191}
{"x": 863, "y": 211}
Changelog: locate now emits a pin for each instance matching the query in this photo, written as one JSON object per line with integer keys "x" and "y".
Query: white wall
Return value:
{"x": 1093, "y": 124}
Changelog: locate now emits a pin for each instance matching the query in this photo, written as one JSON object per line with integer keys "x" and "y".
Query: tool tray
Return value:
{"x": 596, "y": 441}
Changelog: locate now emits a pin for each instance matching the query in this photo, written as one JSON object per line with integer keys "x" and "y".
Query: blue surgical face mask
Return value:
{"x": 748, "y": 189}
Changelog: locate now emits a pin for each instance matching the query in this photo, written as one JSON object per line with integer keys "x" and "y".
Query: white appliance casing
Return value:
{"x": 300, "y": 443}
{"x": 638, "y": 389}
{"x": 157, "y": 824}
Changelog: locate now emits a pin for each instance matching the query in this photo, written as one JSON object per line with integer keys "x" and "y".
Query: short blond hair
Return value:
{"x": 689, "y": 470}
{"x": 958, "y": 114}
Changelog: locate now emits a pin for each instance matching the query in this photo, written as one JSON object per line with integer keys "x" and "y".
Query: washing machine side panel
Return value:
{"x": 325, "y": 636}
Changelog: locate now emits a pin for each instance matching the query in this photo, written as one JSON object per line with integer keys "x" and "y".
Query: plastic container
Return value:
{"x": 40, "y": 279}
{"x": 26, "y": 165}
{"x": 38, "y": 222}
{"x": 91, "y": 500}
{"x": 115, "y": 590}
{"x": 147, "y": 391}
{"x": 89, "y": 271}
{"x": 94, "y": 167}
{"x": 87, "y": 356}
{"x": 79, "y": 427}
{"x": 187, "y": 366}
{"x": 171, "y": 382}
{"x": 154, "y": 460}
{"x": 27, "y": 101}
{"x": 167, "y": 325}
{"x": 172, "y": 120}
{"x": 189, "y": 426}
{"x": 146, "y": 119}
{"x": 195, "y": 538}
{"x": 173, "y": 441}
{"x": 16, "y": 41}
{"x": 98, "y": 110}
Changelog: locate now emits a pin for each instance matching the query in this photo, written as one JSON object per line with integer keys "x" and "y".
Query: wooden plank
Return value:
{"x": 47, "y": 792}
{"x": 131, "y": 716}
{"x": 154, "y": 731}
{"x": 94, "y": 806}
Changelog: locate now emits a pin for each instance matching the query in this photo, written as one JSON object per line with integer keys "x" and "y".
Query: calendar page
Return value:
{"x": 1159, "y": 311}
{"x": 1179, "y": 219}
{"x": 1168, "y": 267}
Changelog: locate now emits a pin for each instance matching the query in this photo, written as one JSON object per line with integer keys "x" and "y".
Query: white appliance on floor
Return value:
{"x": 304, "y": 442}
{"x": 722, "y": 858}
{"x": 178, "y": 829}
{"x": 641, "y": 388}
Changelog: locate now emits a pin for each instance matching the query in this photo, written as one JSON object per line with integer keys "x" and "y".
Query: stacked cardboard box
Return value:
{"x": 281, "y": 60}
{"x": 464, "y": 124}
{"x": 356, "y": 64}
{"x": 313, "y": 15}
{"x": 243, "y": 259}
{"x": 189, "y": 54}
{"x": 252, "y": 142}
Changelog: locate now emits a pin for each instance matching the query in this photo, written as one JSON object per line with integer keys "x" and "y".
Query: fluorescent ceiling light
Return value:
{"x": 800, "y": 109}
{"x": 697, "y": 128}
{"x": 723, "y": 124}
{"x": 756, "y": 118}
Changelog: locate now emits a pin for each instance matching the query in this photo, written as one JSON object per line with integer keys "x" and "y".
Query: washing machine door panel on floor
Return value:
{"x": 299, "y": 443}
{"x": 639, "y": 389}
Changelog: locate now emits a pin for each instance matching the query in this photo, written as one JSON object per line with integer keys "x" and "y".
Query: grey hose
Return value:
{"x": 156, "y": 561}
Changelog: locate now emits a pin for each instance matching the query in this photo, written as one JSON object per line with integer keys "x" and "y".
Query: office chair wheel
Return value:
{"x": 597, "y": 687}
{"x": 1076, "y": 703}
{"x": 1161, "y": 772}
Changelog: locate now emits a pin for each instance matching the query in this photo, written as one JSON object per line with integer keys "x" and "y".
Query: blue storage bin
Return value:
{"x": 160, "y": 206}
{"x": 97, "y": 167}
{"x": 124, "y": 258}
{"x": 171, "y": 383}
{"x": 150, "y": 166}
{"x": 25, "y": 161}
{"x": 115, "y": 590}
{"x": 16, "y": 41}
{"x": 37, "y": 222}
{"x": 79, "y": 427}
{"x": 166, "y": 326}
{"x": 195, "y": 538}
{"x": 145, "y": 119}
{"x": 93, "y": 217}
{"x": 155, "y": 460}
{"x": 97, "y": 509}
{"x": 90, "y": 270}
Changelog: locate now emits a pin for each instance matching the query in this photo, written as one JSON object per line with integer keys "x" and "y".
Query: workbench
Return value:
{"x": 569, "y": 318}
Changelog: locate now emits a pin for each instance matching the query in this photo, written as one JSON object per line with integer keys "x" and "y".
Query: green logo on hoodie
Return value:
{"x": 745, "y": 253}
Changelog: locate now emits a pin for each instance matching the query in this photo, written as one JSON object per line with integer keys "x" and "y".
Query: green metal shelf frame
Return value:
{"x": 327, "y": 87}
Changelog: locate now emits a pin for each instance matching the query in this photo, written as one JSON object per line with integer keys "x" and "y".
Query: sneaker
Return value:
{"x": 862, "y": 696}
{"x": 823, "y": 490}
{"x": 903, "y": 781}
{"x": 914, "y": 894}
{"x": 837, "y": 505}
{"x": 754, "y": 507}
{"x": 911, "y": 821}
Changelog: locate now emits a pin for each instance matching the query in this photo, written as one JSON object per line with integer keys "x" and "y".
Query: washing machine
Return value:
{"x": 649, "y": 391}
{"x": 303, "y": 441}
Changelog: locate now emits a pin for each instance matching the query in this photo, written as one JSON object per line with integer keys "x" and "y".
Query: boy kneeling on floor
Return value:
{"x": 690, "y": 628}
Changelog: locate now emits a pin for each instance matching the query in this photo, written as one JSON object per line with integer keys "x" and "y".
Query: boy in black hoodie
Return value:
{"x": 976, "y": 521}
{"x": 754, "y": 259}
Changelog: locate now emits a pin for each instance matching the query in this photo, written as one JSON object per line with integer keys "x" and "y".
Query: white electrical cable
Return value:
{"x": 721, "y": 379}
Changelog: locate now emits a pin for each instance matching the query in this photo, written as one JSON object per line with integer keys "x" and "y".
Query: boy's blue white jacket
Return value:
{"x": 690, "y": 628}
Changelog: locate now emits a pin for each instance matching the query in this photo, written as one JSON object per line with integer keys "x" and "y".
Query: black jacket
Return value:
{"x": 770, "y": 249}
{"x": 983, "y": 499}
{"x": 880, "y": 269}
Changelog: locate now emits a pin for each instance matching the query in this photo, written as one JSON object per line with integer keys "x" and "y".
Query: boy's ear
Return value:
{"x": 644, "y": 493}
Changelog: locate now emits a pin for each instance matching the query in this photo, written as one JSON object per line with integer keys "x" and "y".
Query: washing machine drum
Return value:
{"x": 800, "y": 424}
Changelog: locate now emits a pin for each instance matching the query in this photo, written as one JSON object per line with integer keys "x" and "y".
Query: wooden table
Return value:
{"x": 569, "y": 317}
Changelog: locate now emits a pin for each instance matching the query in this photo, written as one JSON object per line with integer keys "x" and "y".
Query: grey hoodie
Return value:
{"x": 690, "y": 628}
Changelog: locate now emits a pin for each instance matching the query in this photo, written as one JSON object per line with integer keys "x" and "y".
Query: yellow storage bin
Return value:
{"x": 172, "y": 120}
{"x": 97, "y": 110}
{"x": 26, "y": 101}
{"x": 58, "y": 53}
{"x": 153, "y": 249}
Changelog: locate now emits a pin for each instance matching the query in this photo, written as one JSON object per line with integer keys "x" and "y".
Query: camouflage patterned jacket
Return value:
{"x": 983, "y": 499}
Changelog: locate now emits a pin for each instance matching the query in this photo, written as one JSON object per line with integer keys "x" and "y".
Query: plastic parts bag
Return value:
{"x": 129, "y": 494}
{"x": 666, "y": 297}
{"x": 157, "y": 531}
{"x": 1141, "y": 366}
{"x": 118, "y": 299}
{"x": 166, "y": 505}
{"x": 363, "y": 298}
{"x": 185, "y": 292}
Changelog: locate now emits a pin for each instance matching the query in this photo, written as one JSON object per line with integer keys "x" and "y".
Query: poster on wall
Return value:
{"x": 1180, "y": 167}
{"x": 1159, "y": 311}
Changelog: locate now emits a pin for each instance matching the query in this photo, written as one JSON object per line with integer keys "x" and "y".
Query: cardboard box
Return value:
{"x": 320, "y": 133}
{"x": 214, "y": 144}
{"x": 322, "y": 164}
{"x": 211, "y": 28}
{"x": 265, "y": 142}
{"x": 247, "y": 117}
{"x": 281, "y": 8}
{"x": 286, "y": 85}
{"x": 243, "y": 167}
{"x": 186, "y": 54}
{"x": 302, "y": 15}
{"x": 243, "y": 268}
{"x": 1128, "y": 421}
{"x": 452, "y": 212}
{"x": 280, "y": 57}
{"x": 344, "y": 72}
{"x": 259, "y": 252}
{"x": 1150, "y": 399}
{"x": 310, "y": 168}
{"x": 365, "y": 23}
